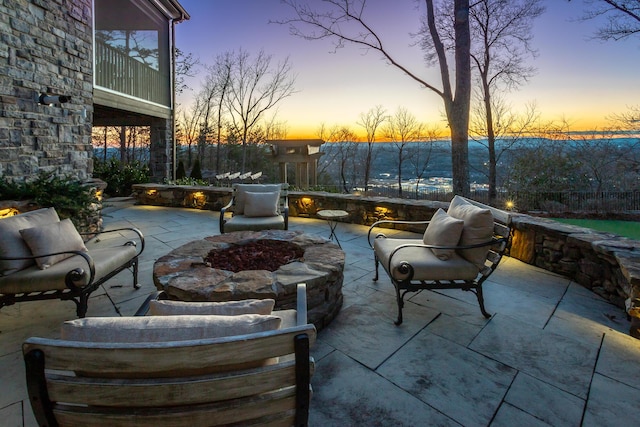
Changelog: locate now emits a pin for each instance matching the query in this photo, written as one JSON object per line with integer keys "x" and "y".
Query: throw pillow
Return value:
{"x": 478, "y": 228}
{"x": 443, "y": 230}
{"x": 165, "y": 328}
{"x": 227, "y": 308}
{"x": 242, "y": 189}
{"x": 52, "y": 238}
{"x": 11, "y": 242}
{"x": 261, "y": 204}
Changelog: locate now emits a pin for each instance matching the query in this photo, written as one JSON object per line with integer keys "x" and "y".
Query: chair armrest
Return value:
{"x": 494, "y": 240}
{"x": 223, "y": 210}
{"x": 389, "y": 221}
{"x": 75, "y": 273}
{"x": 139, "y": 234}
{"x": 156, "y": 296}
{"x": 301, "y": 307}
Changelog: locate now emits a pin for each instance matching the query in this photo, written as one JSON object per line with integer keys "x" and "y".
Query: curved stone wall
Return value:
{"x": 605, "y": 263}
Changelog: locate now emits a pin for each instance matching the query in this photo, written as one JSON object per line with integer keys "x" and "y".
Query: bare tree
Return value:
{"x": 185, "y": 63}
{"x": 419, "y": 154}
{"x": 341, "y": 153}
{"x": 371, "y": 122}
{"x": 501, "y": 37}
{"x": 402, "y": 129}
{"x": 344, "y": 22}
{"x": 220, "y": 77}
{"x": 509, "y": 129}
{"x": 256, "y": 86}
{"x": 623, "y": 18}
{"x": 188, "y": 128}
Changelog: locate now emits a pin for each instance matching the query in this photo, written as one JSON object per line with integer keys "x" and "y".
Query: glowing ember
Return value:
{"x": 256, "y": 255}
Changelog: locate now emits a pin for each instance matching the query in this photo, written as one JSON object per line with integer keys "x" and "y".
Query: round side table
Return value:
{"x": 333, "y": 216}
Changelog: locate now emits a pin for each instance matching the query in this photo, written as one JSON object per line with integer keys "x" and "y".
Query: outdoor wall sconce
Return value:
{"x": 152, "y": 192}
{"x": 48, "y": 99}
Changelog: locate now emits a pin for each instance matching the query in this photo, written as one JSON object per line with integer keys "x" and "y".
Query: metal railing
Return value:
{"x": 121, "y": 73}
{"x": 551, "y": 201}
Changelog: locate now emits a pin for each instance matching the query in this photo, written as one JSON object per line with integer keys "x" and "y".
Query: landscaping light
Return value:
{"x": 4, "y": 213}
{"x": 509, "y": 204}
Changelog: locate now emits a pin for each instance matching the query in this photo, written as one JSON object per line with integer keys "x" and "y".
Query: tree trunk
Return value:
{"x": 123, "y": 145}
{"x": 491, "y": 142}
{"x": 458, "y": 113}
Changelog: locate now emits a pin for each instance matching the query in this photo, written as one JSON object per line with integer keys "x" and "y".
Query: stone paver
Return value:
{"x": 553, "y": 353}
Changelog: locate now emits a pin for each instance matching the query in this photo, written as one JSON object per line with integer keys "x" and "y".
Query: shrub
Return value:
{"x": 196, "y": 173}
{"x": 120, "y": 177}
{"x": 69, "y": 196}
{"x": 180, "y": 172}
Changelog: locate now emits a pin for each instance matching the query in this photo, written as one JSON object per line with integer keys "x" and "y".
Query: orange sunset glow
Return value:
{"x": 580, "y": 80}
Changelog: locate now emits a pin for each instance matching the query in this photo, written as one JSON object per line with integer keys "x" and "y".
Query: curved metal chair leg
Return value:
{"x": 400, "y": 300}
{"x": 376, "y": 262}
{"x": 480, "y": 297}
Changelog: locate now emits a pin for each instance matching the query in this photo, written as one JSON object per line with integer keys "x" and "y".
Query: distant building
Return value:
{"x": 304, "y": 153}
{"x": 69, "y": 65}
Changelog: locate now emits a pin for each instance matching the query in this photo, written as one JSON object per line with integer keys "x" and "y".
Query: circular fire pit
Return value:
{"x": 186, "y": 273}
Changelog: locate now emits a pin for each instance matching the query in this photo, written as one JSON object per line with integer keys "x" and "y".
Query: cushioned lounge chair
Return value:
{"x": 459, "y": 249}
{"x": 256, "y": 207}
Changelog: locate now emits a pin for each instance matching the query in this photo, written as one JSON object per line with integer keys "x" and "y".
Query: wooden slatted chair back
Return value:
{"x": 256, "y": 379}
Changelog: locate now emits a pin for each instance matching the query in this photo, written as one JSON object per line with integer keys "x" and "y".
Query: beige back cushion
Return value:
{"x": 242, "y": 189}
{"x": 11, "y": 242}
{"x": 50, "y": 238}
{"x": 227, "y": 308}
{"x": 261, "y": 204}
{"x": 165, "y": 328}
{"x": 478, "y": 228}
{"x": 443, "y": 230}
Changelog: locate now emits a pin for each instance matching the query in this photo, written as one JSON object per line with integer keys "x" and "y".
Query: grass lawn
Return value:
{"x": 629, "y": 229}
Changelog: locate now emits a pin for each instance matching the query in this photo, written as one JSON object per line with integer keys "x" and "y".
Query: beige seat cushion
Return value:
{"x": 261, "y": 204}
{"x": 11, "y": 242}
{"x": 241, "y": 222}
{"x": 47, "y": 239}
{"x": 443, "y": 230}
{"x": 32, "y": 279}
{"x": 165, "y": 328}
{"x": 242, "y": 189}
{"x": 227, "y": 308}
{"x": 426, "y": 265}
{"x": 478, "y": 228}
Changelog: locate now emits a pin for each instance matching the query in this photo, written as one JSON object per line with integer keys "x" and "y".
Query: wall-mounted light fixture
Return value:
{"x": 49, "y": 99}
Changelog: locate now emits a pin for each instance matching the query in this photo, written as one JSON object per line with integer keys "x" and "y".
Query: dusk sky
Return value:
{"x": 580, "y": 79}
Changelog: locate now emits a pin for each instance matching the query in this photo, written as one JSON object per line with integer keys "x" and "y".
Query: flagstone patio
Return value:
{"x": 553, "y": 353}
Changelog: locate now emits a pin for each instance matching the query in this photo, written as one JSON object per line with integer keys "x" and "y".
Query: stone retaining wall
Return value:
{"x": 605, "y": 263}
{"x": 47, "y": 48}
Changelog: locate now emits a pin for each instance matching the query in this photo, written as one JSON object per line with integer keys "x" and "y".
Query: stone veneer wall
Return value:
{"x": 605, "y": 263}
{"x": 48, "y": 50}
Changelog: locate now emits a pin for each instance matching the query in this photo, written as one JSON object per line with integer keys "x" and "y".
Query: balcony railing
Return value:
{"x": 121, "y": 73}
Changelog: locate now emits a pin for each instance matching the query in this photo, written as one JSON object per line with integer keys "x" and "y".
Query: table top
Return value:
{"x": 332, "y": 214}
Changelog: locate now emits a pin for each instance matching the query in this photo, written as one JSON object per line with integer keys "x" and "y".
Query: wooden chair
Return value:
{"x": 260, "y": 378}
{"x": 415, "y": 264}
{"x": 256, "y": 207}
